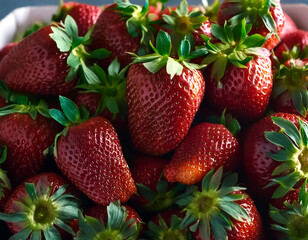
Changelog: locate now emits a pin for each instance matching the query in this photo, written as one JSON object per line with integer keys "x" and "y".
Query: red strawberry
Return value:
{"x": 207, "y": 146}
{"x": 119, "y": 225}
{"x": 100, "y": 212}
{"x": 27, "y": 132}
{"x": 85, "y": 15}
{"x": 2, "y": 102}
{"x": 289, "y": 215}
{"x": 162, "y": 100}
{"x": 239, "y": 72}
{"x": 221, "y": 210}
{"x": 266, "y": 18}
{"x": 289, "y": 26}
{"x": 289, "y": 90}
{"x": 43, "y": 68}
{"x": 47, "y": 201}
{"x": 298, "y": 38}
{"x": 119, "y": 30}
{"x": 89, "y": 154}
{"x": 263, "y": 145}
{"x": 6, "y": 49}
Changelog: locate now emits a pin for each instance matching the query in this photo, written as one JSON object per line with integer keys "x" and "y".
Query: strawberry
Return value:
{"x": 289, "y": 26}
{"x": 41, "y": 206}
{"x": 6, "y": 49}
{"x": 5, "y": 184}
{"x": 220, "y": 210}
{"x": 107, "y": 97}
{"x": 289, "y": 90}
{"x": 299, "y": 39}
{"x": 122, "y": 28}
{"x": 85, "y": 15}
{"x": 27, "y": 131}
{"x": 207, "y": 146}
{"x": 239, "y": 73}
{"x": 274, "y": 153}
{"x": 116, "y": 227}
{"x": 89, "y": 154}
{"x": 266, "y": 17}
{"x": 101, "y": 212}
{"x": 161, "y": 89}
{"x": 189, "y": 22}
{"x": 290, "y": 221}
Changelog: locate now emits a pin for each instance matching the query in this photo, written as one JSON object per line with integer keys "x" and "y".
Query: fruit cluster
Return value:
{"x": 154, "y": 122}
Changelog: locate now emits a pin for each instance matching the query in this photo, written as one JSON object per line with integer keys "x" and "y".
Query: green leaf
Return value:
{"x": 36, "y": 235}
{"x": 70, "y": 109}
{"x": 64, "y": 226}
{"x": 52, "y": 233}
{"x": 59, "y": 117}
{"x": 206, "y": 181}
{"x": 269, "y": 22}
{"x": 63, "y": 41}
{"x": 204, "y": 228}
{"x": 219, "y": 32}
{"x": 112, "y": 105}
{"x": 216, "y": 179}
{"x": 30, "y": 189}
{"x": 13, "y": 217}
{"x": 114, "y": 68}
{"x": 163, "y": 43}
{"x": 219, "y": 231}
{"x": 302, "y": 192}
{"x": 173, "y": 67}
{"x": 255, "y": 40}
{"x": 289, "y": 128}
{"x": 89, "y": 75}
{"x": 281, "y": 156}
{"x": 155, "y": 65}
{"x": 281, "y": 140}
{"x": 132, "y": 26}
{"x": 219, "y": 68}
{"x": 3, "y": 153}
{"x": 22, "y": 235}
{"x": 71, "y": 27}
{"x": 115, "y": 215}
{"x": 100, "y": 53}
{"x": 234, "y": 210}
{"x": 184, "y": 49}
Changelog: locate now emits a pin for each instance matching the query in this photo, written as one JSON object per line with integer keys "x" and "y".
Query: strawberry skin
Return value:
{"x": 160, "y": 109}
{"x": 110, "y": 33}
{"x": 205, "y": 147}
{"x": 85, "y": 16}
{"x": 245, "y": 92}
{"x": 258, "y": 166}
{"x": 26, "y": 140}
{"x": 43, "y": 68}
{"x": 289, "y": 26}
{"x": 6, "y": 49}
{"x": 90, "y": 156}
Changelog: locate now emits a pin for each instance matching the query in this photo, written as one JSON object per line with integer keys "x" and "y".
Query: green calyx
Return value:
{"x": 68, "y": 117}
{"x": 112, "y": 87}
{"x": 183, "y": 23}
{"x": 163, "y": 199}
{"x": 40, "y": 211}
{"x": 293, "y": 79}
{"x": 19, "y": 103}
{"x": 67, "y": 39}
{"x": 228, "y": 121}
{"x": 254, "y": 11}
{"x": 29, "y": 30}
{"x": 138, "y": 20}
{"x": 4, "y": 180}
{"x": 212, "y": 208}
{"x": 236, "y": 47}
{"x": 293, "y": 154}
{"x": 162, "y": 231}
{"x": 61, "y": 13}
{"x": 162, "y": 56}
{"x": 116, "y": 228}
{"x": 293, "y": 221}
{"x": 211, "y": 11}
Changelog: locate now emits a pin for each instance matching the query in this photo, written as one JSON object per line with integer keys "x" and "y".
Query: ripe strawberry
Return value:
{"x": 289, "y": 26}
{"x": 101, "y": 212}
{"x": 117, "y": 225}
{"x": 299, "y": 39}
{"x": 220, "y": 210}
{"x": 270, "y": 156}
{"x": 207, "y": 146}
{"x": 27, "y": 131}
{"x": 290, "y": 220}
{"x": 122, "y": 28}
{"x": 85, "y": 15}
{"x": 289, "y": 90}
{"x": 189, "y": 22}
{"x": 6, "y": 49}
{"x": 41, "y": 206}
{"x": 5, "y": 184}
{"x": 265, "y": 16}
{"x": 89, "y": 154}
{"x": 163, "y": 96}
{"x": 107, "y": 98}
{"x": 239, "y": 73}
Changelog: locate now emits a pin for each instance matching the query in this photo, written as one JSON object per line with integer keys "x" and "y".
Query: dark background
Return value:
{"x": 7, "y": 6}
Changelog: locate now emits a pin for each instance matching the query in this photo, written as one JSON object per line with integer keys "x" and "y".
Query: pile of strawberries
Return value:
{"x": 149, "y": 122}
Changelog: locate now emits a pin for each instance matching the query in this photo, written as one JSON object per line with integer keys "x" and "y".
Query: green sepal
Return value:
{"x": 211, "y": 11}
{"x": 4, "y": 180}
